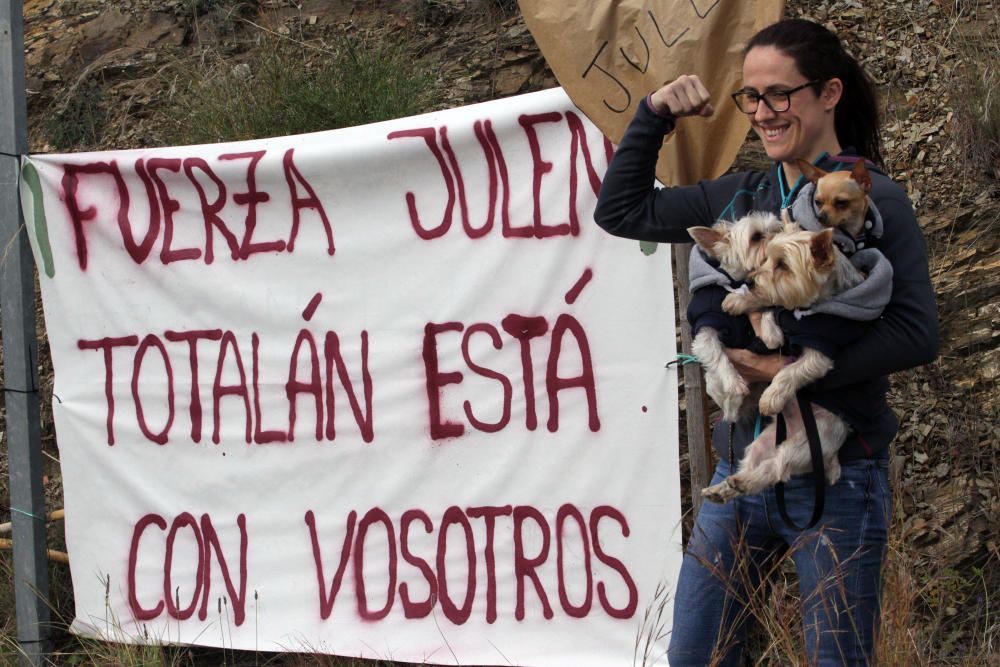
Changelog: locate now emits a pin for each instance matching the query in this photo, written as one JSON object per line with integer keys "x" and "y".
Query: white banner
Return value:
{"x": 384, "y": 392}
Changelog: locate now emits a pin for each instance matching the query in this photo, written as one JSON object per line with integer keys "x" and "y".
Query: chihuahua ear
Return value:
{"x": 821, "y": 247}
{"x": 707, "y": 238}
{"x": 810, "y": 171}
{"x": 860, "y": 174}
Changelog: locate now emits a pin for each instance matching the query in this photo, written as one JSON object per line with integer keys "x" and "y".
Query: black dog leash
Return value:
{"x": 815, "y": 452}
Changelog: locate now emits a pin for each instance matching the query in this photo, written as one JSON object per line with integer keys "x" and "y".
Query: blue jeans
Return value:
{"x": 735, "y": 546}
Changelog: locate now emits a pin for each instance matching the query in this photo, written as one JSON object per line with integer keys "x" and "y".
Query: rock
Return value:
{"x": 511, "y": 80}
{"x": 156, "y": 28}
{"x": 101, "y": 35}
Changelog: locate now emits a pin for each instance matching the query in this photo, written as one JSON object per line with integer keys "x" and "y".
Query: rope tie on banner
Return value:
{"x": 13, "y": 155}
{"x": 25, "y": 513}
{"x": 683, "y": 360}
{"x": 55, "y": 515}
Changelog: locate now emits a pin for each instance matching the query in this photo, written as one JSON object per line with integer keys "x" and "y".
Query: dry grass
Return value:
{"x": 977, "y": 88}
{"x": 916, "y": 615}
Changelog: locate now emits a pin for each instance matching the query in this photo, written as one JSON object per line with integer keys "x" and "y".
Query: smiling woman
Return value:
{"x": 803, "y": 126}
{"x": 807, "y": 99}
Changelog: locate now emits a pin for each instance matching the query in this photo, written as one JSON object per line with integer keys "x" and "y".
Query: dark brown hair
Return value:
{"x": 819, "y": 56}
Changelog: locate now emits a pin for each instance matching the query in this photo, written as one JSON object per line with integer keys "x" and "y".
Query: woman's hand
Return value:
{"x": 685, "y": 96}
{"x": 755, "y": 367}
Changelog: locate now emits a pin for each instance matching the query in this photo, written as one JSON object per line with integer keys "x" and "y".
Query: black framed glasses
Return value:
{"x": 776, "y": 100}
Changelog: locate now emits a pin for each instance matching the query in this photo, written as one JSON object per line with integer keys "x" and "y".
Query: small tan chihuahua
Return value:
{"x": 841, "y": 197}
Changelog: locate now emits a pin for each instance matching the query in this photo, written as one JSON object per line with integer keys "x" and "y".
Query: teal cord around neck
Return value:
{"x": 787, "y": 195}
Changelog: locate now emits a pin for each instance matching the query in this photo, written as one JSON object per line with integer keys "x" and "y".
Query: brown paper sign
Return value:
{"x": 610, "y": 54}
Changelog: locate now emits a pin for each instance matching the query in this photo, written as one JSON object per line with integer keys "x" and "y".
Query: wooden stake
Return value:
{"x": 700, "y": 455}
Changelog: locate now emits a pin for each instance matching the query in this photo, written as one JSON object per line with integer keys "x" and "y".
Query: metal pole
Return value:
{"x": 20, "y": 346}
{"x": 699, "y": 443}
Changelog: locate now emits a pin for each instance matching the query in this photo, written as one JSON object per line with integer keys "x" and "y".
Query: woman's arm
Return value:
{"x": 629, "y": 205}
{"x": 756, "y": 367}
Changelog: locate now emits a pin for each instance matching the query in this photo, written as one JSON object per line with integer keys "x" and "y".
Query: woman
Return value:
{"x": 805, "y": 98}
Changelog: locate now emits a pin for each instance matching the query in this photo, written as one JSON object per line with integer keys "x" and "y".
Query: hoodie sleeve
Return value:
{"x": 830, "y": 334}
{"x": 705, "y": 310}
{"x": 867, "y": 300}
{"x": 629, "y": 205}
{"x": 906, "y": 334}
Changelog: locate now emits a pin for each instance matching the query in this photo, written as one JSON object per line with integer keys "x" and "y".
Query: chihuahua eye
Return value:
{"x": 841, "y": 205}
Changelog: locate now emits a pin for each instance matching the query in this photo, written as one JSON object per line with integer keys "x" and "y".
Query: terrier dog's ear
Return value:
{"x": 811, "y": 172}
{"x": 821, "y": 247}
{"x": 860, "y": 174}
{"x": 708, "y": 238}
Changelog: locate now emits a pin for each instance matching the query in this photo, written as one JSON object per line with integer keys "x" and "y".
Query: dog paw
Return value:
{"x": 832, "y": 471}
{"x": 713, "y": 494}
{"x": 716, "y": 393}
{"x": 721, "y": 492}
{"x": 731, "y": 411}
{"x": 772, "y": 342}
{"x": 735, "y": 385}
{"x": 772, "y": 401}
{"x": 735, "y": 483}
{"x": 732, "y": 406}
{"x": 727, "y": 392}
{"x": 770, "y": 332}
{"x": 734, "y": 304}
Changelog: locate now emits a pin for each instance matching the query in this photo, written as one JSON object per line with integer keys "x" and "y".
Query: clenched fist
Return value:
{"x": 685, "y": 96}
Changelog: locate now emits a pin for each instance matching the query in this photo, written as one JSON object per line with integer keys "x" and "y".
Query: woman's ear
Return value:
{"x": 833, "y": 89}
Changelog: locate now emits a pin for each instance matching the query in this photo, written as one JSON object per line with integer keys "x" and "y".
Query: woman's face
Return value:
{"x": 806, "y": 129}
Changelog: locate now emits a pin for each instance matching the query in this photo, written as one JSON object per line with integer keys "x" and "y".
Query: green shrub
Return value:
{"x": 76, "y": 123}
{"x": 290, "y": 89}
